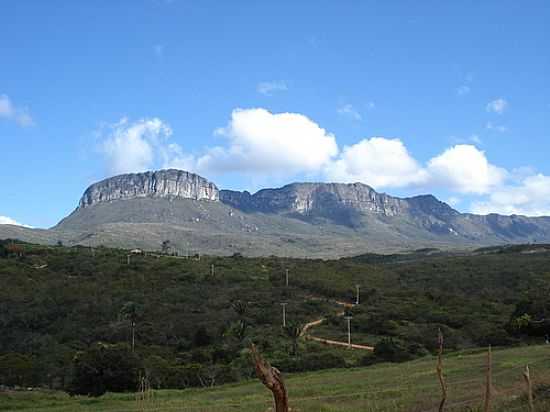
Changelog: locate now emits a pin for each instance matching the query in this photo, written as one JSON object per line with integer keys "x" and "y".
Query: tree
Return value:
{"x": 293, "y": 331}
{"x": 202, "y": 338}
{"x": 165, "y": 246}
{"x": 17, "y": 369}
{"x": 130, "y": 312}
{"x": 389, "y": 349}
{"x": 239, "y": 328}
{"x": 103, "y": 368}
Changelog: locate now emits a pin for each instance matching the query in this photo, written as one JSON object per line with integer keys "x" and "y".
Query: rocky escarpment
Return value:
{"x": 312, "y": 219}
{"x": 306, "y": 198}
{"x": 169, "y": 183}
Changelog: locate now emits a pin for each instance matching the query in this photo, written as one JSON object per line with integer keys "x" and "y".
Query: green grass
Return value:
{"x": 410, "y": 386}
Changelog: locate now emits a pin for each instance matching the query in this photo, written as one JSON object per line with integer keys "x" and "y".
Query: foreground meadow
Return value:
{"x": 410, "y": 386}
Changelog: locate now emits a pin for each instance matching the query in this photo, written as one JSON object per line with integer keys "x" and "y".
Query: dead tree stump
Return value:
{"x": 272, "y": 379}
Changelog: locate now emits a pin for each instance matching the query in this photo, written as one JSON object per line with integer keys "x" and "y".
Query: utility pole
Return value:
{"x": 212, "y": 270}
{"x": 357, "y": 294}
{"x": 284, "y": 313}
{"x": 133, "y": 334}
{"x": 348, "y": 318}
{"x": 287, "y": 278}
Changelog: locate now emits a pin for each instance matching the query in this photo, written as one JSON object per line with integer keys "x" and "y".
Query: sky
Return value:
{"x": 443, "y": 97}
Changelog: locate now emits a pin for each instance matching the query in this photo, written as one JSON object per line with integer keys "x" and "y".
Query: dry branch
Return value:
{"x": 272, "y": 379}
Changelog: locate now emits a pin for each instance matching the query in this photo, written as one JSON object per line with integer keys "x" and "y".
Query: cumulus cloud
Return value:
{"x": 261, "y": 144}
{"x": 379, "y": 162}
{"x": 5, "y": 220}
{"x": 350, "y": 111}
{"x": 530, "y": 197}
{"x": 134, "y": 147}
{"x": 465, "y": 168}
{"x": 384, "y": 163}
{"x": 8, "y": 111}
{"x": 268, "y": 88}
{"x": 265, "y": 142}
{"x": 497, "y": 106}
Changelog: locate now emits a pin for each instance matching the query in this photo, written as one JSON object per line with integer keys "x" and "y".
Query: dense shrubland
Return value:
{"x": 67, "y": 315}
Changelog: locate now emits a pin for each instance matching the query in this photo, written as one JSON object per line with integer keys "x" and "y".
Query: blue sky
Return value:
{"x": 450, "y": 98}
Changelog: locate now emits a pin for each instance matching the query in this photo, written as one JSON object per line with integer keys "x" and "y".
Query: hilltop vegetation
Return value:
{"x": 66, "y": 310}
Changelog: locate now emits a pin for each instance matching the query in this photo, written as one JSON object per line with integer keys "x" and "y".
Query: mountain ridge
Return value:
{"x": 304, "y": 218}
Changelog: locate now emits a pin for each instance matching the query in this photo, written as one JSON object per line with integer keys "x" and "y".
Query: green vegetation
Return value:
{"x": 75, "y": 318}
{"x": 410, "y": 386}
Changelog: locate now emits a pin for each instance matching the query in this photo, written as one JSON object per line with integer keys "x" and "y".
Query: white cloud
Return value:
{"x": 6, "y": 106}
{"x": 382, "y": 163}
{"x": 10, "y": 112}
{"x": 4, "y": 220}
{"x": 497, "y": 106}
{"x": 454, "y": 201}
{"x": 476, "y": 139}
{"x": 465, "y": 169}
{"x": 530, "y": 197}
{"x": 496, "y": 127}
{"x": 379, "y": 162}
{"x": 264, "y": 142}
{"x": 350, "y": 111}
{"x": 268, "y": 88}
{"x": 134, "y": 147}
{"x": 264, "y": 145}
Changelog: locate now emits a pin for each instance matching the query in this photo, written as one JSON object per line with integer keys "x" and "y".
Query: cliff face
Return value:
{"x": 169, "y": 183}
{"x": 304, "y": 198}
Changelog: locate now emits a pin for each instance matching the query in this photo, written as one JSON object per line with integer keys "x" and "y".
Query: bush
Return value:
{"x": 392, "y": 350}
{"x": 17, "y": 370}
{"x": 103, "y": 368}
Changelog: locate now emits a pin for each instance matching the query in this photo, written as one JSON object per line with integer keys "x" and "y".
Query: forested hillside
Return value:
{"x": 186, "y": 321}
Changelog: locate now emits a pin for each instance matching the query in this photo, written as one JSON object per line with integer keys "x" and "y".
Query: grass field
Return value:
{"x": 410, "y": 386}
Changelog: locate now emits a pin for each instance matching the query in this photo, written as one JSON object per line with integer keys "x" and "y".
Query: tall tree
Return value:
{"x": 130, "y": 312}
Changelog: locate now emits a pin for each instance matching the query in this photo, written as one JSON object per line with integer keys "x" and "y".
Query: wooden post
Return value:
{"x": 489, "y": 382}
{"x": 527, "y": 377}
{"x": 439, "y": 370}
{"x": 272, "y": 379}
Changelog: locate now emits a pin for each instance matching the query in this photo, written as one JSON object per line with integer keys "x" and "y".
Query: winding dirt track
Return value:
{"x": 306, "y": 334}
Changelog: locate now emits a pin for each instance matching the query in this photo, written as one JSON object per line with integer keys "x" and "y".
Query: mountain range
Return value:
{"x": 300, "y": 219}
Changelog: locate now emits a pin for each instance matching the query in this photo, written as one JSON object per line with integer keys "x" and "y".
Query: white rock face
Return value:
{"x": 309, "y": 197}
{"x": 169, "y": 183}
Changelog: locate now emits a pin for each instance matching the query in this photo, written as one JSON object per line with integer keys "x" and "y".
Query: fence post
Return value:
{"x": 439, "y": 370}
{"x": 489, "y": 382}
{"x": 527, "y": 377}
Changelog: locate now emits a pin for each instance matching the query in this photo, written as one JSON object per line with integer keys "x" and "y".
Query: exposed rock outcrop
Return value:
{"x": 306, "y": 198}
{"x": 169, "y": 183}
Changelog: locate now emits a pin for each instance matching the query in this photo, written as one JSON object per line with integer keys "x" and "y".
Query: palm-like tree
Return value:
{"x": 241, "y": 309}
{"x": 130, "y": 312}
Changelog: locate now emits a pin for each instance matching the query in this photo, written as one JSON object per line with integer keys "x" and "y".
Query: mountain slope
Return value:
{"x": 299, "y": 219}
